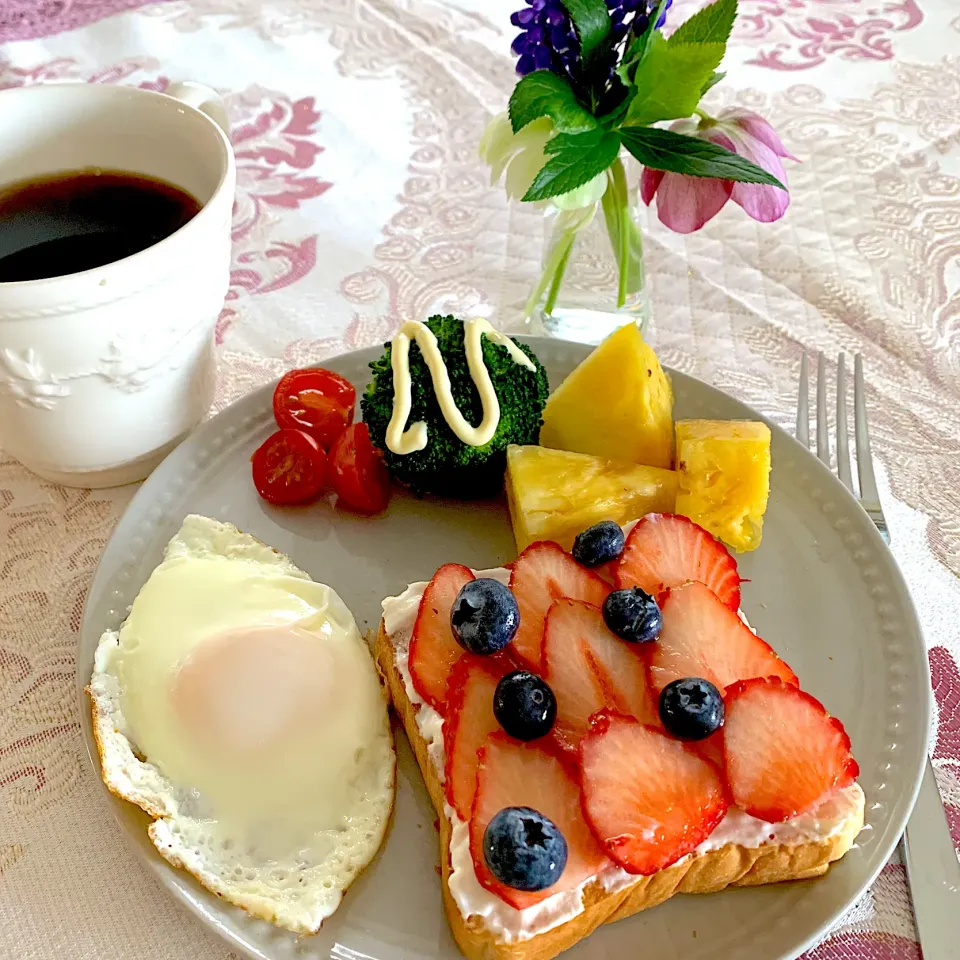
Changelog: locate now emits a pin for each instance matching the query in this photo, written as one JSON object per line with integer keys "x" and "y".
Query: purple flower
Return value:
{"x": 548, "y": 41}
{"x": 685, "y": 204}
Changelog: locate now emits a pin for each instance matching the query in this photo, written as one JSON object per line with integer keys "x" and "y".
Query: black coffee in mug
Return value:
{"x": 78, "y": 220}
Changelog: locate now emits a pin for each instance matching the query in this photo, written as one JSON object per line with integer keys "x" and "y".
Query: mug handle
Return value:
{"x": 205, "y": 99}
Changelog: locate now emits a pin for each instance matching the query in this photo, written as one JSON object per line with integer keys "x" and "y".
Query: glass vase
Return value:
{"x": 593, "y": 279}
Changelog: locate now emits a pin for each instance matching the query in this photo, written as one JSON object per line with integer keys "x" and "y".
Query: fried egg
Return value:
{"x": 240, "y": 707}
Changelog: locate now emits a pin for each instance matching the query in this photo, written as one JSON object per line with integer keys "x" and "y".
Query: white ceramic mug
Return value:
{"x": 103, "y": 372}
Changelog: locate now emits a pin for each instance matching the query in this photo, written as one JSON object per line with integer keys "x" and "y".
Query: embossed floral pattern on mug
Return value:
{"x": 28, "y": 380}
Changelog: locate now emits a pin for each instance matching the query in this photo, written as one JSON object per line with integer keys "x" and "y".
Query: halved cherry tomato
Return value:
{"x": 358, "y": 473}
{"x": 289, "y": 467}
{"x": 319, "y": 402}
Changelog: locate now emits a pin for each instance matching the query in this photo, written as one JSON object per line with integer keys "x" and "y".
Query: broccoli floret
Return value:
{"x": 447, "y": 466}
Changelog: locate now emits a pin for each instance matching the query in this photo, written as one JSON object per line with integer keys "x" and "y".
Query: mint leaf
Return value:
{"x": 676, "y": 153}
{"x": 544, "y": 94}
{"x": 713, "y": 81}
{"x": 638, "y": 46}
{"x": 670, "y": 79}
{"x": 712, "y": 24}
{"x": 575, "y": 159}
{"x": 591, "y": 20}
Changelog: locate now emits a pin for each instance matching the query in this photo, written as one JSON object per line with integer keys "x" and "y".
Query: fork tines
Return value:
{"x": 868, "y": 495}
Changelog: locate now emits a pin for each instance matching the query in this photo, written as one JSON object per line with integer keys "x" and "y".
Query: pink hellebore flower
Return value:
{"x": 686, "y": 203}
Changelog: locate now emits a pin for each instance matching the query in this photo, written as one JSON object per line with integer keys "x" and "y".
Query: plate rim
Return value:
{"x": 205, "y": 434}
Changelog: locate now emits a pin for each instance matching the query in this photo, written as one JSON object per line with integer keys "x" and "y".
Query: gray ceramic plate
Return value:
{"x": 823, "y": 591}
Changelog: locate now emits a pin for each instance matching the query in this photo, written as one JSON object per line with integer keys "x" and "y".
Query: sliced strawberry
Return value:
{"x": 784, "y": 753}
{"x": 541, "y": 574}
{"x": 622, "y": 667}
{"x": 513, "y": 774}
{"x": 571, "y": 669}
{"x": 710, "y": 748}
{"x": 649, "y": 799}
{"x": 664, "y": 551}
{"x": 588, "y": 668}
{"x": 703, "y": 638}
{"x": 469, "y": 721}
{"x": 433, "y": 649}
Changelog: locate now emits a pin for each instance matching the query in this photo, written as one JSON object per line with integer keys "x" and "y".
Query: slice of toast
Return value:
{"x": 729, "y": 865}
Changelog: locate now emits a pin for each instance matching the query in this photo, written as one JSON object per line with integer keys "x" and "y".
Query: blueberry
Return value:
{"x": 691, "y": 709}
{"x": 524, "y": 705}
{"x": 600, "y": 543}
{"x": 485, "y": 616}
{"x": 524, "y": 849}
{"x": 632, "y": 615}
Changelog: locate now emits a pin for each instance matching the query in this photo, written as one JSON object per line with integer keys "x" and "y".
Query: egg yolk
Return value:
{"x": 249, "y": 690}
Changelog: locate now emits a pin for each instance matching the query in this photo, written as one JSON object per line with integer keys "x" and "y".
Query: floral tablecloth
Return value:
{"x": 361, "y": 200}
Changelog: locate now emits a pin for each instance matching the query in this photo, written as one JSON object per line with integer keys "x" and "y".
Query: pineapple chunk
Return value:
{"x": 617, "y": 404}
{"x": 724, "y": 472}
{"x": 555, "y": 494}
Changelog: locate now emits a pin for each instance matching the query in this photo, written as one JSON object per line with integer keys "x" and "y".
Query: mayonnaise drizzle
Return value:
{"x": 401, "y": 441}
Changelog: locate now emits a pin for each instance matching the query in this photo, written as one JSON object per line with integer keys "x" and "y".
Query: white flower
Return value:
{"x": 586, "y": 195}
{"x": 521, "y": 156}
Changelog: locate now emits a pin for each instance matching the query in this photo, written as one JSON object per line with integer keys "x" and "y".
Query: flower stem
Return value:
{"x": 624, "y": 259}
{"x": 624, "y": 236}
{"x": 620, "y": 178}
{"x": 552, "y": 275}
{"x": 558, "y": 274}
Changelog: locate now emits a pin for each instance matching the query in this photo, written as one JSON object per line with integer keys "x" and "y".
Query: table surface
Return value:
{"x": 361, "y": 200}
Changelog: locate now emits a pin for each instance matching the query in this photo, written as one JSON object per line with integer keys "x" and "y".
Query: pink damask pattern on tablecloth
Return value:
{"x": 800, "y": 34}
{"x": 39, "y": 726}
{"x": 946, "y": 686}
{"x": 273, "y": 138}
{"x": 865, "y": 946}
{"x": 30, "y": 19}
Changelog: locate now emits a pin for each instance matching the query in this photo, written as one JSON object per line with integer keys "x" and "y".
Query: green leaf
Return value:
{"x": 592, "y": 22}
{"x": 714, "y": 80}
{"x": 639, "y": 45}
{"x": 575, "y": 158}
{"x": 676, "y": 153}
{"x": 712, "y": 24}
{"x": 670, "y": 80}
{"x": 544, "y": 94}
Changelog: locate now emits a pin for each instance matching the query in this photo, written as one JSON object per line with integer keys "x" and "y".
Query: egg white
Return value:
{"x": 298, "y": 885}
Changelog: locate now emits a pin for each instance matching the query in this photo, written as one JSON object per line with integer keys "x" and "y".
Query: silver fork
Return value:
{"x": 933, "y": 871}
